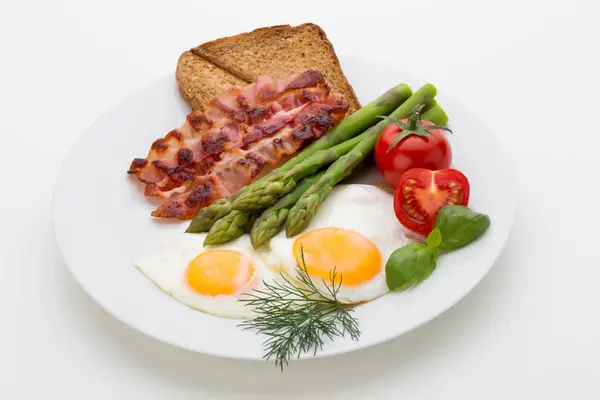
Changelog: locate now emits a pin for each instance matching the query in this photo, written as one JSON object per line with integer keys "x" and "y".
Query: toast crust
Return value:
{"x": 291, "y": 50}
{"x": 200, "y": 81}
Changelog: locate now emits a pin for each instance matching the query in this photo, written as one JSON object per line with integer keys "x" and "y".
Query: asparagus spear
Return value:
{"x": 305, "y": 208}
{"x": 259, "y": 197}
{"x": 251, "y": 220}
{"x": 355, "y": 123}
{"x": 228, "y": 228}
{"x": 347, "y": 129}
{"x": 266, "y": 193}
{"x": 429, "y": 106}
{"x": 272, "y": 219}
{"x": 436, "y": 114}
{"x": 207, "y": 216}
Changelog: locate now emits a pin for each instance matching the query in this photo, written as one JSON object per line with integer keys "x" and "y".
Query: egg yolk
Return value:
{"x": 355, "y": 257}
{"x": 216, "y": 272}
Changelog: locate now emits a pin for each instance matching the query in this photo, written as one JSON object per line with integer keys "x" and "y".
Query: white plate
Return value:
{"x": 102, "y": 222}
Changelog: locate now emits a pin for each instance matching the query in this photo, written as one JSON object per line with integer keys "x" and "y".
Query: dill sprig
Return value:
{"x": 296, "y": 318}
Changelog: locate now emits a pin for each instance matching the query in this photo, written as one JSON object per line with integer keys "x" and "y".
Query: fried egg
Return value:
{"x": 211, "y": 279}
{"x": 354, "y": 231}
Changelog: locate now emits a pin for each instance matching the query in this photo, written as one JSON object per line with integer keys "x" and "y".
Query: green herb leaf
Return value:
{"x": 409, "y": 265}
{"x": 297, "y": 316}
{"x": 441, "y": 127}
{"x": 460, "y": 226}
{"x": 403, "y": 135}
{"x": 434, "y": 239}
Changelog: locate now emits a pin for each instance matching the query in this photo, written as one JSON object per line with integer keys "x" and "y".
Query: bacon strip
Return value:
{"x": 218, "y": 151}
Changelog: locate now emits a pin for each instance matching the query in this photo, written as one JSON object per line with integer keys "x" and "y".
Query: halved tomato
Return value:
{"x": 421, "y": 194}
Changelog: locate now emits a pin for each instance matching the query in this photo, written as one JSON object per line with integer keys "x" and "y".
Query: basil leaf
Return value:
{"x": 434, "y": 239}
{"x": 409, "y": 265}
{"x": 460, "y": 226}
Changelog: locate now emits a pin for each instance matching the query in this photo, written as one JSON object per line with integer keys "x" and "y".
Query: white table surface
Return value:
{"x": 530, "y": 330}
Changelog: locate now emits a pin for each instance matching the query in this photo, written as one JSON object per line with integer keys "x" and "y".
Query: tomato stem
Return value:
{"x": 413, "y": 126}
{"x": 414, "y": 119}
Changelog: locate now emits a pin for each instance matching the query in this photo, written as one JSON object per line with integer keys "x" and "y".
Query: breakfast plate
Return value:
{"x": 102, "y": 223}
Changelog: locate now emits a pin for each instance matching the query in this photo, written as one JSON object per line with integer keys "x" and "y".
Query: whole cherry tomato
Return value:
{"x": 409, "y": 143}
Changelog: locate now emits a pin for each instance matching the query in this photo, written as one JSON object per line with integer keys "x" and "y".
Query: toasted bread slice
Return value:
{"x": 200, "y": 81}
{"x": 279, "y": 51}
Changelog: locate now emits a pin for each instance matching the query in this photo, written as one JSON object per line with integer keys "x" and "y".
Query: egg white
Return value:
{"x": 366, "y": 209}
{"x": 166, "y": 266}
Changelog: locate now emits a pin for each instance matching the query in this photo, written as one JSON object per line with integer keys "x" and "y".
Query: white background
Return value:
{"x": 529, "y": 69}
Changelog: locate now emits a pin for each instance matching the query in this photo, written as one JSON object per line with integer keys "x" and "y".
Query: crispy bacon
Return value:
{"x": 218, "y": 151}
